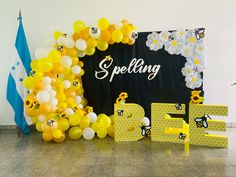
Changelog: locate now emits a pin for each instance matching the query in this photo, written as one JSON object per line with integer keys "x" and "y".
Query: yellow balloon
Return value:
{"x": 102, "y": 45}
{"x": 28, "y": 82}
{"x": 91, "y": 43}
{"x": 54, "y": 56}
{"x": 57, "y": 34}
{"x": 45, "y": 65}
{"x": 104, "y": 120}
{"x": 63, "y": 124}
{"x": 110, "y": 131}
{"x": 117, "y": 36}
{"x": 61, "y": 139}
{"x": 75, "y": 132}
{"x": 84, "y": 123}
{"x": 103, "y": 23}
{"x": 79, "y": 25}
{"x": 90, "y": 51}
{"x": 75, "y": 119}
{"x": 57, "y": 133}
{"x": 34, "y": 64}
{"x": 96, "y": 126}
{"x": 46, "y": 136}
{"x": 102, "y": 133}
{"x": 34, "y": 119}
{"x": 39, "y": 126}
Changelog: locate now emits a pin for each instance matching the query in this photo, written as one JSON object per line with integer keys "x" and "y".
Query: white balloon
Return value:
{"x": 94, "y": 32}
{"x": 69, "y": 111}
{"x": 66, "y": 61}
{"x": 42, "y": 53}
{"x": 88, "y": 133}
{"x": 92, "y": 117}
{"x": 78, "y": 99}
{"x": 43, "y": 96}
{"x": 48, "y": 88}
{"x": 61, "y": 40}
{"x": 41, "y": 118}
{"x": 69, "y": 35}
{"x": 69, "y": 43}
{"x": 81, "y": 54}
{"x": 66, "y": 84}
{"x": 54, "y": 101}
{"x": 145, "y": 121}
{"x": 47, "y": 80}
{"x": 80, "y": 106}
{"x": 76, "y": 69}
{"x": 81, "y": 44}
{"x": 53, "y": 93}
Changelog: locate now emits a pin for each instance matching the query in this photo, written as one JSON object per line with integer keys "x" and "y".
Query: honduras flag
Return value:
{"x": 16, "y": 93}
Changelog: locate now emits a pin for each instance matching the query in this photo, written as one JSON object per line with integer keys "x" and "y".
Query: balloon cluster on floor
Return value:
{"x": 56, "y": 102}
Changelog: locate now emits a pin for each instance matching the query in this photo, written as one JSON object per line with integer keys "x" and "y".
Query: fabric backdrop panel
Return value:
{"x": 167, "y": 87}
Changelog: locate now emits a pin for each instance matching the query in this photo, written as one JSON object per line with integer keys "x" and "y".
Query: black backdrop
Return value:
{"x": 167, "y": 87}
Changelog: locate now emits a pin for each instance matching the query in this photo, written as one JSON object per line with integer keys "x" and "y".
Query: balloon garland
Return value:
{"x": 55, "y": 102}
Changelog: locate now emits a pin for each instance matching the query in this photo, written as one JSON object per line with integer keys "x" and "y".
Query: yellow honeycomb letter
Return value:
{"x": 127, "y": 121}
{"x": 164, "y": 128}
{"x": 199, "y": 122}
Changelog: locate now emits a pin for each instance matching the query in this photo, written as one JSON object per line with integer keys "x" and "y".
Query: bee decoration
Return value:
{"x": 32, "y": 73}
{"x": 171, "y": 37}
{"x": 178, "y": 106}
{"x": 75, "y": 83}
{"x": 182, "y": 136}
{"x": 94, "y": 30}
{"x": 145, "y": 130}
{"x": 120, "y": 112}
{"x": 134, "y": 35}
{"x": 199, "y": 33}
{"x": 50, "y": 122}
{"x": 202, "y": 121}
{"x": 60, "y": 48}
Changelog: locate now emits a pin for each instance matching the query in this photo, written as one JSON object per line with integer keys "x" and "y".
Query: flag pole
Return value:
{"x": 19, "y": 17}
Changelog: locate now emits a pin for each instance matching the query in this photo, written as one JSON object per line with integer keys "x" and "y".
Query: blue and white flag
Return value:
{"x": 16, "y": 93}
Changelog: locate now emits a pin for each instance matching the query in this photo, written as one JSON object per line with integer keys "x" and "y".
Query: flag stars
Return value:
{"x": 13, "y": 68}
{"x": 21, "y": 79}
{"x": 18, "y": 63}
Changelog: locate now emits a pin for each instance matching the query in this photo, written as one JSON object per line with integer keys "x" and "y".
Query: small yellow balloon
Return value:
{"x": 110, "y": 131}
{"x": 57, "y": 34}
{"x": 84, "y": 123}
{"x": 34, "y": 64}
{"x": 117, "y": 36}
{"x": 96, "y": 126}
{"x": 34, "y": 119}
{"x": 102, "y": 45}
{"x": 39, "y": 126}
{"x": 47, "y": 136}
{"x": 28, "y": 82}
{"x": 54, "y": 56}
{"x": 45, "y": 65}
{"x": 57, "y": 133}
{"x": 102, "y": 133}
{"x": 103, "y": 23}
{"x": 79, "y": 25}
{"x": 104, "y": 120}
{"x": 61, "y": 139}
{"x": 75, "y": 119}
{"x": 91, "y": 43}
{"x": 75, "y": 133}
{"x": 63, "y": 124}
{"x": 90, "y": 51}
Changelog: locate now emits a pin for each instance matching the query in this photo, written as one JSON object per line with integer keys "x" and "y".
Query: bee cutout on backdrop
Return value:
{"x": 50, "y": 122}
{"x": 200, "y": 33}
{"x": 182, "y": 136}
{"x": 120, "y": 112}
{"x": 202, "y": 121}
{"x": 145, "y": 130}
{"x": 178, "y": 106}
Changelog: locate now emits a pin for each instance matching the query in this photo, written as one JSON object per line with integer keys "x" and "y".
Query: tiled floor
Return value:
{"x": 29, "y": 157}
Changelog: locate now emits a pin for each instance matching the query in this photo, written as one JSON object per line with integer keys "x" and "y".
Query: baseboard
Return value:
{"x": 13, "y": 127}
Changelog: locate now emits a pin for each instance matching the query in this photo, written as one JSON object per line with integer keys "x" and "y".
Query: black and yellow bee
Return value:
{"x": 145, "y": 130}
{"x": 50, "y": 122}
{"x": 182, "y": 136}
{"x": 120, "y": 112}
{"x": 178, "y": 106}
{"x": 200, "y": 33}
{"x": 202, "y": 121}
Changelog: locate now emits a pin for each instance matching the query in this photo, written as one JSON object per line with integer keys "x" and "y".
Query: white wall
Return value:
{"x": 218, "y": 16}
